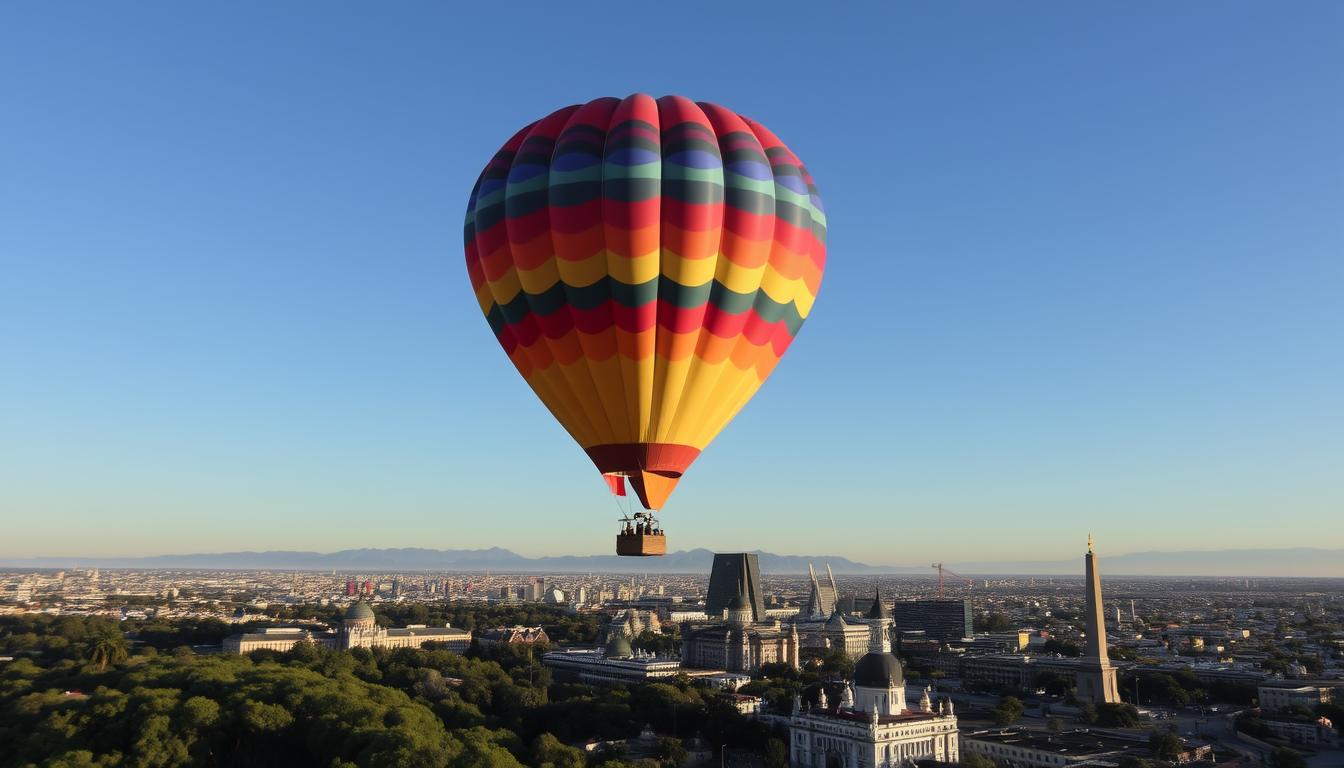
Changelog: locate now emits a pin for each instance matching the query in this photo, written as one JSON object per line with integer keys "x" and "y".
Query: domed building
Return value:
{"x": 872, "y": 724}
{"x": 738, "y": 644}
{"x": 618, "y": 647}
{"x": 739, "y": 611}
{"x": 822, "y": 624}
{"x": 615, "y": 662}
{"x": 358, "y": 629}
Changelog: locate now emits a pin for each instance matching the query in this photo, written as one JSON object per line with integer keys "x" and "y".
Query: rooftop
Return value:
{"x": 1079, "y": 742}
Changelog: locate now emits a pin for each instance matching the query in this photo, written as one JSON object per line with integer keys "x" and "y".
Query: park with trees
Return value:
{"x": 85, "y": 691}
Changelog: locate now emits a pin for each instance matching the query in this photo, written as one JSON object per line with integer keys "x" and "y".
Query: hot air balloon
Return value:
{"x": 645, "y": 263}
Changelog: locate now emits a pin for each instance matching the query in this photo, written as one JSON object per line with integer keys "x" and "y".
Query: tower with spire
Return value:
{"x": 1096, "y": 677}
{"x": 878, "y": 619}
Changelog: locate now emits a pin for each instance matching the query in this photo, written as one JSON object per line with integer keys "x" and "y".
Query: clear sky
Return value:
{"x": 1086, "y": 273}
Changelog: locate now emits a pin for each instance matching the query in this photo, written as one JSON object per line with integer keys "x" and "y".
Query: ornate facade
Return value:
{"x": 871, "y": 726}
{"x": 739, "y": 644}
{"x": 359, "y": 629}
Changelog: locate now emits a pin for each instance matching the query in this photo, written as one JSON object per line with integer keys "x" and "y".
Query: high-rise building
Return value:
{"x": 940, "y": 620}
{"x": 1096, "y": 677}
{"x": 821, "y": 602}
{"x": 733, "y": 574}
{"x": 351, "y": 588}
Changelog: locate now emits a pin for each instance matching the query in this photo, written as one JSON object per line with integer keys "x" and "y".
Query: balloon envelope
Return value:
{"x": 645, "y": 263}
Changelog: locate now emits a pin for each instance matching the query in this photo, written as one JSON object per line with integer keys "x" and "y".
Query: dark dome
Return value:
{"x": 739, "y": 603}
{"x": 879, "y": 670}
{"x": 618, "y": 648}
{"x": 360, "y": 610}
{"x": 835, "y": 622}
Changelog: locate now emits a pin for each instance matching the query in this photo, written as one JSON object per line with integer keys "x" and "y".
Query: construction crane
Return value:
{"x": 941, "y": 570}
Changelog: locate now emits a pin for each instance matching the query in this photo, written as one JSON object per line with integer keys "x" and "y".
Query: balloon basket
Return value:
{"x": 641, "y": 544}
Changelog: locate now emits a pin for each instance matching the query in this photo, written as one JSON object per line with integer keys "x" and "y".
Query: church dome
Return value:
{"x": 359, "y": 612}
{"x": 739, "y": 603}
{"x": 618, "y": 648}
{"x": 835, "y": 622}
{"x": 879, "y": 670}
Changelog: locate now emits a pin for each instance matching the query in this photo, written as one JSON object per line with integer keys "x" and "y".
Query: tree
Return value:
{"x": 993, "y": 622}
{"x": 1087, "y": 712}
{"x": 548, "y": 752}
{"x": 1117, "y": 715}
{"x": 1062, "y": 647}
{"x": 776, "y": 754}
{"x": 1008, "y": 710}
{"x": 107, "y": 647}
{"x": 837, "y": 663}
{"x": 1166, "y": 745}
{"x": 1055, "y": 724}
{"x": 972, "y": 760}
{"x": 1288, "y": 758}
{"x": 671, "y": 750}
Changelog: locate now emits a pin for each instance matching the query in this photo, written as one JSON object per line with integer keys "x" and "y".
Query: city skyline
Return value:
{"x": 1299, "y": 562}
{"x": 1069, "y": 288}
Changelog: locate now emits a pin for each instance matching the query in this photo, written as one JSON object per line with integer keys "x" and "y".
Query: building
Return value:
{"x": 1095, "y": 677}
{"x": 616, "y": 663}
{"x": 823, "y": 599}
{"x": 632, "y": 622}
{"x": 359, "y": 629}
{"x": 535, "y": 590}
{"x": 941, "y": 620}
{"x": 1275, "y": 698}
{"x": 276, "y": 639}
{"x": 1026, "y": 748}
{"x": 513, "y": 635}
{"x": 849, "y": 634}
{"x": 730, "y": 575}
{"x": 739, "y": 644}
{"x": 871, "y": 726}
{"x": 1316, "y": 731}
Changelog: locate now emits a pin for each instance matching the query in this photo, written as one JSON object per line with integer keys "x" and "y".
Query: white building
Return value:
{"x": 359, "y": 629}
{"x": 871, "y": 727}
{"x": 1275, "y": 698}
{"x": 617, "y": 663}
{"x": 1026, "y": 748}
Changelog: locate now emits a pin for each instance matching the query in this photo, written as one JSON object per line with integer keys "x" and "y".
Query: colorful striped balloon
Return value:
{"x": 645, "y": 263}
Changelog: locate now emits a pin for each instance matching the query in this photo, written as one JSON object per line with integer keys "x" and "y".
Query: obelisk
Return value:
{"x": 1096, "y": 676}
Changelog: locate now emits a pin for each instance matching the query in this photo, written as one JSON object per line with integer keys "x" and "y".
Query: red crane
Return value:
{"x": 939, "y": 567}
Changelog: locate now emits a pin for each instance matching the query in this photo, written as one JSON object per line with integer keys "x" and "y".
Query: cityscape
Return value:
{"x": 590, "y": 384}
{"x": 806, "y": 669}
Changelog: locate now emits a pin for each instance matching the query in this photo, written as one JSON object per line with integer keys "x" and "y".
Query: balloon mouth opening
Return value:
{"x": 653, "y": 469}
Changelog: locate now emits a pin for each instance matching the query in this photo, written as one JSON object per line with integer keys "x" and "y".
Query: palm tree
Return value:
{"x": 107, "y": 647}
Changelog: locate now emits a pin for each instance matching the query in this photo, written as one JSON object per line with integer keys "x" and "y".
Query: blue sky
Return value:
{"x": 1086, "y": 274}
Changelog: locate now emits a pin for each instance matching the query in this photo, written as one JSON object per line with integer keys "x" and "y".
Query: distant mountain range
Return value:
{"x": 417, "y": 559}
{"x": 1301, "y": 561}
